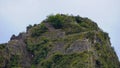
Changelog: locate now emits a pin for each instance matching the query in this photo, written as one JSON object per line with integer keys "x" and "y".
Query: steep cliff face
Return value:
{"x": 60, "y": 41}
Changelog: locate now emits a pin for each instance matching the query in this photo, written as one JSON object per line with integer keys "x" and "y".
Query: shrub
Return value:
{"x": 98, "y": 64}
{"x": 90, "y": 35}
{"x": 14, "y": 61}
{"x": 29, "y": 27}
{"x": 78, "y": 19}
{"x": 2, "y": 46}
{"x": 72, "y": 28}
{"x": 56, "y": 21}
{"x": 57, "y": 58}
{"x": 38, "y": 30}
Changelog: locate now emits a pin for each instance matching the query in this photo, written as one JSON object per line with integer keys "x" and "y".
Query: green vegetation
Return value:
{"x": 2, "y": 58}
{"x": 14, "y": 61}
{"x": 29, "y": 27}
{"x": 2, "y": 46}
{"x": 38, "y": 30}
{"x": 60, "y": 41}
{"x": 59, "y": 60}
{"x": 39, "y": 49}
{"x": 57, "y": 21}
{"x": 71, "y": 24}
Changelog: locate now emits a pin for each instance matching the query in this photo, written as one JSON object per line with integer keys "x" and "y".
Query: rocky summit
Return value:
{"x": 60, "y": 41}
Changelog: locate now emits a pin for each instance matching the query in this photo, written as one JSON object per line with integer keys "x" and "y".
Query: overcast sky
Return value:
{"x": 15, "y": 15}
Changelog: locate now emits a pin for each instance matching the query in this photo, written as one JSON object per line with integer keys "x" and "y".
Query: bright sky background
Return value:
{"x": 15, "y": 15}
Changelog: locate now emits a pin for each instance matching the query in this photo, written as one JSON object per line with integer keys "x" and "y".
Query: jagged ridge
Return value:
{"x": 60, "y": 41}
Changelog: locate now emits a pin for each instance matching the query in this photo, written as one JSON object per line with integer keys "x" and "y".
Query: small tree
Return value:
{"x": 28, "y": 27}
{"x": 38, "y": 30}
{"x": 57, "y": 21}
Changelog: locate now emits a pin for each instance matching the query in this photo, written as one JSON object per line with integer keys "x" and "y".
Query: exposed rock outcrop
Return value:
{"x": 60, "y": 41}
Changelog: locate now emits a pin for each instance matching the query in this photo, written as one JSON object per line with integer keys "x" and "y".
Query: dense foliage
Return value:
{"x": 38, "y": 30}
{"x": 56, "y": 21}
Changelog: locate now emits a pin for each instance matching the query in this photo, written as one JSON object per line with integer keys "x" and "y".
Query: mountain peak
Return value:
{"x": 60, "y": 41}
